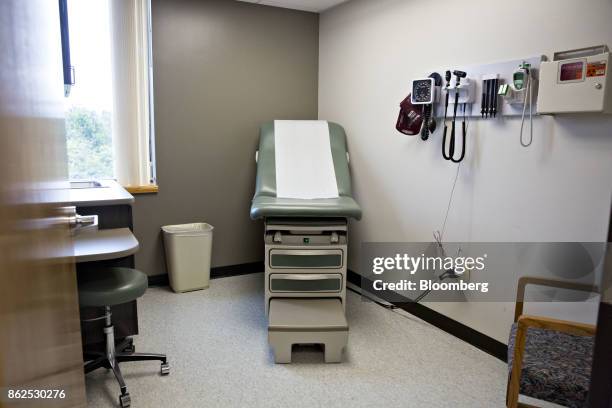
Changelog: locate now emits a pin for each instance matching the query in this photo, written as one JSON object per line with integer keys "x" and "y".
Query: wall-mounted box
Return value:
{"x": 576, "y": 81}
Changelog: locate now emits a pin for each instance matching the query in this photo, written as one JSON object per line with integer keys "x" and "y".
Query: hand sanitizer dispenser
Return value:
{"x": 576, "y": 81}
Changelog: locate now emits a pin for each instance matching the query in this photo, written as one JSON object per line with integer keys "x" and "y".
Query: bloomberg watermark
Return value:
{"x": 413, "y": 264}
{"x": 488, "y": 272}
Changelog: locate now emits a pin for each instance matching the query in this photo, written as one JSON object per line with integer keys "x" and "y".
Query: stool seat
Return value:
{"x": 110, "y": 286}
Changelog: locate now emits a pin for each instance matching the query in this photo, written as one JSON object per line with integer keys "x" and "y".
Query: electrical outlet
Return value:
{"x": 466, "y": 275}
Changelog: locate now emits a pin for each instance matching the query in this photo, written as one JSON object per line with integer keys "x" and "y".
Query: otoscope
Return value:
{"x": 447, "y": 77}
{"x": 459, "y": 75}
{"x": 451, "y": 147}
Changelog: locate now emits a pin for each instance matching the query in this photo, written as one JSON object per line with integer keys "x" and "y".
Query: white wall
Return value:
{"x": 559, "y": 189}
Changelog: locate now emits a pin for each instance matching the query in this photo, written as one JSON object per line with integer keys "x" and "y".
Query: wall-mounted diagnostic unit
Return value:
{"x": 576, "y": 81}
{"x": 489, "y": 91}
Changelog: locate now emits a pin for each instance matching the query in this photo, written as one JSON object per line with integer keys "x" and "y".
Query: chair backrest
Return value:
{"x": 533, "y": 280}
{"x": 266, "y": 166}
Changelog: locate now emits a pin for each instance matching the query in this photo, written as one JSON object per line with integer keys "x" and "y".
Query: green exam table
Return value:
{"x": 305, "y": 244}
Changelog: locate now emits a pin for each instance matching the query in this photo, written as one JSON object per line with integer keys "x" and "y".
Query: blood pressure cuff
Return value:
{"x": 410, "y": 118}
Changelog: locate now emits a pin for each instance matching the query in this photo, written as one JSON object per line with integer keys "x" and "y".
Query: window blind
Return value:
{"x": 131, "y": 122}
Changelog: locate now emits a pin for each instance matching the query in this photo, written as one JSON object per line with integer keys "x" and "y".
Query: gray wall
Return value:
{"x": 221, "y": 68}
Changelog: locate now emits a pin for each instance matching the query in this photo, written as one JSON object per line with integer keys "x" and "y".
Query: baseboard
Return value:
{"x": 159, "y": 280}
{"x": 236, "y": 270}
{"x": 216, "y": 272}
{"x": 477, "y": 339}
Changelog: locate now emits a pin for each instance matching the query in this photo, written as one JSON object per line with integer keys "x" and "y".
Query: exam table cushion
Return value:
{"x": 110, "y": 286}
{"x": 556, "y": 366}
{"x": 266, "y": 204}
{"x": 290, "y": 207}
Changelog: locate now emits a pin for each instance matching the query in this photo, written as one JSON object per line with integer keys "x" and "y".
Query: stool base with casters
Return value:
{"x": 107, "y": 287}
{"x": 111, "y": 358}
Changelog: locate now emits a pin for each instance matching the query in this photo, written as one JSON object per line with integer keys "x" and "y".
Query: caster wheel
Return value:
{"x": 130, "y": 349}
{"x": 165, "y": 369}
{"x": 125, "y": 400}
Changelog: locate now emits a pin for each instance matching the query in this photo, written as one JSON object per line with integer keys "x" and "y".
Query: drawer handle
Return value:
{"x": 308, "y": 276}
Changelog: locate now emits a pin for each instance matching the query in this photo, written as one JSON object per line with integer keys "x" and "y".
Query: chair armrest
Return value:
{"x": 532, "y": 280}
{"x": 524, "y": 323}
{"x": 565, "y": 326}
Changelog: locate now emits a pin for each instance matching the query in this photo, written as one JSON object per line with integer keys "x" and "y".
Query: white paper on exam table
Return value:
{"x": 304, "y": 162}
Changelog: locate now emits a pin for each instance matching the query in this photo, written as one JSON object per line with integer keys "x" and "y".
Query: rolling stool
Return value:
{"x": 108, "y": 287}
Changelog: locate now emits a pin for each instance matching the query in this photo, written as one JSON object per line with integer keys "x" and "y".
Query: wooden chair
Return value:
{"x": 549, "y": 359}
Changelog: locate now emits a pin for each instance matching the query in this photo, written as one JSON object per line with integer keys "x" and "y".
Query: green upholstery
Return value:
{"x": 266, "y": 204}
{"x": 292, "y": 207}
{"x": 110, "y": 286}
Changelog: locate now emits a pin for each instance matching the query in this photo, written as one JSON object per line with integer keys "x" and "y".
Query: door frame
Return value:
{"x": 600, "y": 393}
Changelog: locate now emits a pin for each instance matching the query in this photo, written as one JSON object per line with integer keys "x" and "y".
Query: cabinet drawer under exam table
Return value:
{"x": 311, "y": 259}
{"x": 306, "y": 282}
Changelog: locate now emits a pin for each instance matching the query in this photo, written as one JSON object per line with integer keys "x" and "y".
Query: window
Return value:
{"x": 89, "y": 104}
{"x": 109, "y": 124}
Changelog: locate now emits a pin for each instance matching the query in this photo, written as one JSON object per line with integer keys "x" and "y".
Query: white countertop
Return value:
{"x": 111, "y": 193}
{"x": 100, "y": 245}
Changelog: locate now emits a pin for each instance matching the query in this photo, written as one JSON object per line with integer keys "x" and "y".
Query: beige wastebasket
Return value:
{"x": 188, "y": 249}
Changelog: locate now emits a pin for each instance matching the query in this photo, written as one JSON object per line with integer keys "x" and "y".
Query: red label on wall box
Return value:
{"x": 595, "y": 69}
